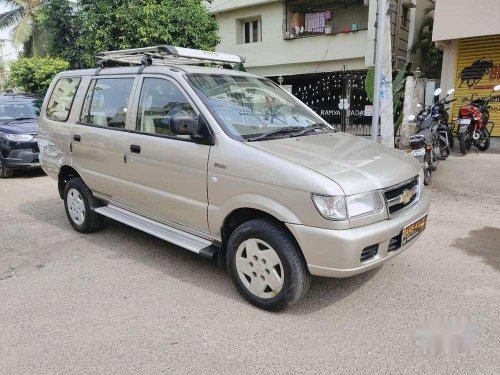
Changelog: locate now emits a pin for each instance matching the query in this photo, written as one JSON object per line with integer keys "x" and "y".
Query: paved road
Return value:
{"x": 120, "y": 301}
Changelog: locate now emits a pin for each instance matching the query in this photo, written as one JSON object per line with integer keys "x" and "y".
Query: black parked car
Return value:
{"x": 18, "y": 132}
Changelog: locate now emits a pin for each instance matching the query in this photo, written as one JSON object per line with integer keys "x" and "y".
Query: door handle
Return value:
{"x": 136, "y": 149}
{"x": 77, "y": 138}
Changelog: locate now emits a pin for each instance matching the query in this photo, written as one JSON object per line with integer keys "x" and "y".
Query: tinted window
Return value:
{"x": 61, "y": 99}
{"x": 160, "y": 100}
{"x": 106, "y": 102}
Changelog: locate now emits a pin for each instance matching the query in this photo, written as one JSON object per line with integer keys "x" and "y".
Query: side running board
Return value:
{"x": 178, "y": 237}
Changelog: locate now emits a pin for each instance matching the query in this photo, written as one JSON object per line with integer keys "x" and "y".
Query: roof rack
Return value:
{"x": 166, "y": 55}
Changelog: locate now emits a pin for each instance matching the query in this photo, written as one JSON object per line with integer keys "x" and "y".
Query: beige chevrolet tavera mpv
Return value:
{"x": 228, "y": 165}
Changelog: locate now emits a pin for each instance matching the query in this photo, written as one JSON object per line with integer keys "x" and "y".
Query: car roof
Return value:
{"x": 155, "y": 69}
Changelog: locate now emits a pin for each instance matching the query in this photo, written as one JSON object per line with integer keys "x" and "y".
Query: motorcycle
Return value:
{"x": 439, "y": 111}
{"x": 431, "y": 141}
{"x": 473, "y": 120}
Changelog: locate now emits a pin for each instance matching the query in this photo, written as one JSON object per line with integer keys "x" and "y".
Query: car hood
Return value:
{"x": 21, "y": 127}
{"x": 355, "y": 163}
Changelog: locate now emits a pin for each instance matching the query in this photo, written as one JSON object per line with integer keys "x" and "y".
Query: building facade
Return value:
{"x": 469, "y": 35}
{"x": 319, "y": 49}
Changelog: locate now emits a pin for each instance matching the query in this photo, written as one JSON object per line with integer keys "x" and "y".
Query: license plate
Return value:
{"x": 464, "y": 121}
{"x": 419, "y": 152}
{"x": 413, "y": 230}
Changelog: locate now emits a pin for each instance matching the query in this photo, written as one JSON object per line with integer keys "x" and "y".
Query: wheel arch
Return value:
{"x": 66, "y": 173}
{"x": 239, "y": 216}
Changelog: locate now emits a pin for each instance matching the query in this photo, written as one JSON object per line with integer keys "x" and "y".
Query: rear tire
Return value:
{"x": 80, "y": 203}
{"x": 464, "y": 148}
{"x": 451, "y": 140}
{"x": 266, "y": 265}
{"x": 427, "y": 177}
{"x": 4, "y": 172}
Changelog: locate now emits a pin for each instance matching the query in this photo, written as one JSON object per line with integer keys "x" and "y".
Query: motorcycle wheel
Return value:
{"x": 485, "y": 144}
{"x": 445, "y": 152}
{"x": 465, "y": 143}
{"x": 427, "y": 177}
{"x": 451, "y": 141}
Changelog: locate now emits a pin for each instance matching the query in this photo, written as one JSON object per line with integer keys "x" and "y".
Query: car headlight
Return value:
{"x": 341, "y": 207}
{"x": 330, "y": 207}
{"x": 365, "y": 204}
{"x": 19, "y": 137}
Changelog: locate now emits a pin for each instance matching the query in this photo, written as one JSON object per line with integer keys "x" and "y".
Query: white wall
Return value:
{"x": 455, "y": 19}
{"x": 274, "y": 55}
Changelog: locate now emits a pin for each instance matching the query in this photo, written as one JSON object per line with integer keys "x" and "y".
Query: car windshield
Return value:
{"x": 17, "y": 110}
{"x": 250, "y": 108}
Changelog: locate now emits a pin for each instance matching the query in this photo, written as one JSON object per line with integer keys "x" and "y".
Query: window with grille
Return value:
{"x": 320, "y": 17}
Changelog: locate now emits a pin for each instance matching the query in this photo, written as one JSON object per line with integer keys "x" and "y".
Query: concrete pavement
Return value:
{"x": 120, "y": 301}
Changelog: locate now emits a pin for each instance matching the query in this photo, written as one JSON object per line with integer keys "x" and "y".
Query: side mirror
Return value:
{"x": 184, "y": 125}
{"x": 450, "y": 91}
{"x": 438, "y": 92}
{"x": 496, "y": 88}
{"x": 411, "y": 118}
{"x": 195, "y": 126}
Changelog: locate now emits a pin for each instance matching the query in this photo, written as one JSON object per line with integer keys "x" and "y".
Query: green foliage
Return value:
{"x": 21, "y": 17}
{"x": 398, "y": 89}
{"x": 60, "y": 24}
{"x": 430, "y": 54}
{"x": 35, "y": 74}
{"x": 103, "y": 25}
{"x": 370, "y": 84}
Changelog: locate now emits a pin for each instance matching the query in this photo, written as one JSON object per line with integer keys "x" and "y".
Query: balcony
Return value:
{"x": 303, "y": 18}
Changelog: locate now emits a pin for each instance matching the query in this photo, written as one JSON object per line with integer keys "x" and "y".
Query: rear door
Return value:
{"x": 98, "y": 139}
{"x": 167, "y": 173}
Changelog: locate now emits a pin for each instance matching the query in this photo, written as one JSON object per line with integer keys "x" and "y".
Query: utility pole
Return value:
{"x": 379, "y": 55}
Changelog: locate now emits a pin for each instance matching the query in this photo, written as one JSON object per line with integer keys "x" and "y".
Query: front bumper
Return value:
{"x": 22, "y": 159}
{"x": 337, "y": 253}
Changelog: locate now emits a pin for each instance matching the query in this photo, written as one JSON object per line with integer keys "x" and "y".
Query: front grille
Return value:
{"x": 393, "y": 195}
{"x": 395, "y": 242}
{"x": 368, "y": 253}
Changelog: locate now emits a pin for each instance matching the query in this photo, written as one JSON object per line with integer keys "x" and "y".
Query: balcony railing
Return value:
{"x": 302, "y": 18}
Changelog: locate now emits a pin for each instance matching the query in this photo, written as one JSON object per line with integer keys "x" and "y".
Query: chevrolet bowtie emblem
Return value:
{"x": 406, "y": 196}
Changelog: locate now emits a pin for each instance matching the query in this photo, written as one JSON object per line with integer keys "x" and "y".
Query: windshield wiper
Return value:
{"x": 284, "y": 130}
{"x": 19, "y": 119}
{"x": 312, "y": 128}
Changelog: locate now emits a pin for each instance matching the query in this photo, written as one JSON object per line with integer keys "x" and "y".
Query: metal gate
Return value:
{"x": 339, "y": 97}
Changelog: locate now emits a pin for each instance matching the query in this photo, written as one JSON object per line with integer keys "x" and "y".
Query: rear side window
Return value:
{"x": 61, "y": 99}
{"x": 106, "y": 102}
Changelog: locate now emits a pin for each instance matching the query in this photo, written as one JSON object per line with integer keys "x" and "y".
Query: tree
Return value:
{"x": 432, "y": 56}
{"x": 26, "y": 30}
{"x": 35, "y": 74}
{"x": 118, "y": 24}
{"x": 61, "y": 25}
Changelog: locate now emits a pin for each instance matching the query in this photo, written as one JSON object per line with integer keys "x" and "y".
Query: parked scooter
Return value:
{"x": 473, "y": 120}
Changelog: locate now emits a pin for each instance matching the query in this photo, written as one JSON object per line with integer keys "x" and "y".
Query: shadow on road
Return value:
{"x": 29, "y": 173}
{"x": 126, "y": 242}
{"x": 482, "y": 243}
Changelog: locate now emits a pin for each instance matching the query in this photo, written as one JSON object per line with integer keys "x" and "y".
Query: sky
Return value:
{"x": 9, "y": 51}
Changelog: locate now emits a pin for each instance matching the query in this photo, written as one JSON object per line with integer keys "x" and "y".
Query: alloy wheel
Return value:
{"x": 259, "y": 268}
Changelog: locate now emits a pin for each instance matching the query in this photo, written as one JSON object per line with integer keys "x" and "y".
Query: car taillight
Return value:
{"x": 464, "y": 112}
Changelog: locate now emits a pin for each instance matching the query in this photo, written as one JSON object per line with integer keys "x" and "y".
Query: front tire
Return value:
{"x": 80, "y": 203}
{"x": 4, "y": 172}
{"x": 266, "y": 265}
